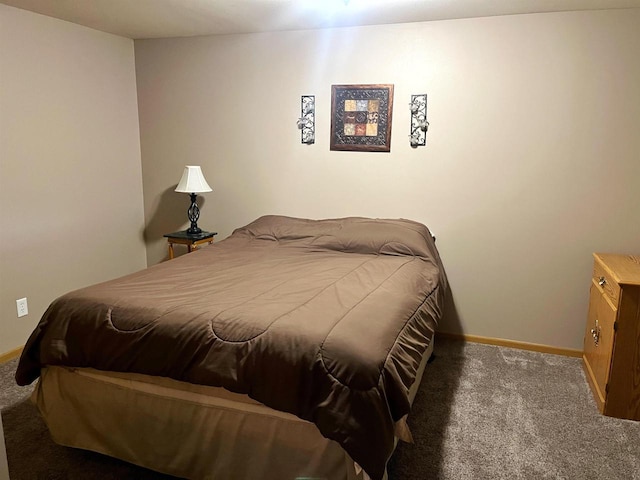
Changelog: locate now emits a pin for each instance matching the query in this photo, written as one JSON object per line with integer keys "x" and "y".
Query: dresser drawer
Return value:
{"x": 606, "y": 284}
{"x": 599, "y": 340}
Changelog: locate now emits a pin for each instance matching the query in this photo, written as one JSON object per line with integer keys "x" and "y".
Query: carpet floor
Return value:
{"x": 482, "y": 412}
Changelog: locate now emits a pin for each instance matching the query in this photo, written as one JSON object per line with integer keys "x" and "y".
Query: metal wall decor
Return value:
{"x": 307, "y": 122}
{"x": 419, "y": 123}
{"x": 361, "y": 117}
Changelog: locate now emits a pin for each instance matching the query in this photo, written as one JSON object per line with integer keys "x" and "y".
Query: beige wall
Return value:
{"x": 532, "y": 160}
{"x": 70, "y": 175}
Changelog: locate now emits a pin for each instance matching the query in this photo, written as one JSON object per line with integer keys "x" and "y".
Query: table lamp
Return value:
{"x": 193, "y": 182}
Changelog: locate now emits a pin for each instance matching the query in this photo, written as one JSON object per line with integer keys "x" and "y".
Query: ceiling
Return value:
{"x": 181, "y": 18}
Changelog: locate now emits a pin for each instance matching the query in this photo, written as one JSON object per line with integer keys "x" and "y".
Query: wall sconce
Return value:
{"x": 307, "y": 122}
{"x": 419, "y": 123}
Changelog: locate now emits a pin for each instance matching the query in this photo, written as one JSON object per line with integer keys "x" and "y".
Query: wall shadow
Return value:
{"x": 170, "y": 215}
{"x": 432, "y": 408}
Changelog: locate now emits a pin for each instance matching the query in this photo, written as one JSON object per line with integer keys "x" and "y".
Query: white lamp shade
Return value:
{"x": 192, "y": 181}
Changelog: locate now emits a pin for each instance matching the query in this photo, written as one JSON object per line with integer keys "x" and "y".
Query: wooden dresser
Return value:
{"x": 611, "y": 357}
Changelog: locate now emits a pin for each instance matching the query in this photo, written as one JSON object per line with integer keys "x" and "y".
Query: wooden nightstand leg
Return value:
{"x": 190, "y": 248}
{"x": 170, "y": 250}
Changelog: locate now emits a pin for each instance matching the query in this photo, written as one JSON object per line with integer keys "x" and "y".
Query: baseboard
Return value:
{"x": 10, "y": 355}
{"x": 536, "y": 347}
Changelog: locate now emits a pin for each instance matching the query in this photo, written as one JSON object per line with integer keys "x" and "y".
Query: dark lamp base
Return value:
{"x": 193, "y": 214}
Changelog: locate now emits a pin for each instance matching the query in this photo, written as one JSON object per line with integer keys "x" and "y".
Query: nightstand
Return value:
{"x": 611, "y": 356}
{"x": 191, "y": 241}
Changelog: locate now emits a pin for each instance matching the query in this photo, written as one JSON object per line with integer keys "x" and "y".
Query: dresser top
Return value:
{"x": 625, "y": 269}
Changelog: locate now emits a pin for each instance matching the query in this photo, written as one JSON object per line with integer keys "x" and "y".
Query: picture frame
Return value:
{"x": 361, "y": 117}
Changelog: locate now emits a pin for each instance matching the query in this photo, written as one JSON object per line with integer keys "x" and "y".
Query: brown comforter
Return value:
{"x": 325, "y": 319}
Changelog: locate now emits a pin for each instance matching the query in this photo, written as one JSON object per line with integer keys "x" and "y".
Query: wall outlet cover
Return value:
{"x": 21, "y": 305}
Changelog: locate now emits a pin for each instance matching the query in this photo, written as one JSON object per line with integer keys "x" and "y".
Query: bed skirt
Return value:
{"x": 189, "y": 431}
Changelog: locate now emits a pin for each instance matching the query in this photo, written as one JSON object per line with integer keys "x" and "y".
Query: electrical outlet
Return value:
{"x": 21, "y": 305}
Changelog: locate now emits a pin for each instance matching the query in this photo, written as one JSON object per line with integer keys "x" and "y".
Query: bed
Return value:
{"x": 292, "y": 349}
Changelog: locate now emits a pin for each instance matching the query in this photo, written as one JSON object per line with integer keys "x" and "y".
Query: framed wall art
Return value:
{"x": 361, "y": 117}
